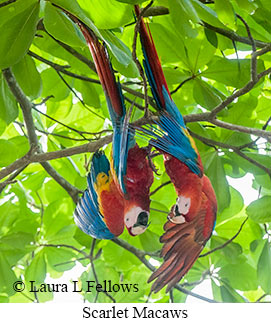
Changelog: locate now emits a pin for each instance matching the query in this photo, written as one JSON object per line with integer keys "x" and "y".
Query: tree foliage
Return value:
{"x": 53, "y": 116}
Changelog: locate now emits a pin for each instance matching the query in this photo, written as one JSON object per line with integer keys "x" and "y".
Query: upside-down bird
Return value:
{"x": 130, "y": 168}
{"x": 192, "y": 218}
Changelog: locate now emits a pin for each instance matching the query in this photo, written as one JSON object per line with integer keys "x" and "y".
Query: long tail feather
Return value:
{"x": 152, "y": 64}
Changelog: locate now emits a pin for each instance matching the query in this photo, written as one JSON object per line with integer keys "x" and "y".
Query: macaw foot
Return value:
{"x": 150, "y": 155}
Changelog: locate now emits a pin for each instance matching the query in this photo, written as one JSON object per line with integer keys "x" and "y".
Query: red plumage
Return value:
{"x": 139, "y": 178}
{"x": 184, "y": 242}
{"x": 112, "y": 208}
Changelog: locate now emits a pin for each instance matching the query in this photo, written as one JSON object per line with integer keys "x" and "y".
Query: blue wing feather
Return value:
{"x": 87, "y": 215}
{"x": 123, "y": 140}
{"x": 172, "y": 139}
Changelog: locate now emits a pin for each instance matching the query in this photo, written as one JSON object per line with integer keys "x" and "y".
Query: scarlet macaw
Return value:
{"x": 129, "y": 166}
{"x": 192, "y": 218}
{"x": 100, "y": 211}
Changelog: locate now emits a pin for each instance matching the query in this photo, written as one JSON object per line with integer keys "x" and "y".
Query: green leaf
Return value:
{"x": 232, "y": 252}
{"x": 7, "y": 276}
{"x": 264, "y": 268}
{"x": 74, "y": 8}
{"x": 236, "y": 205}
{"x": 37, "y": 269}
{"x": 108, "y": 14}
{"x": 17, "y": 32}
{"x": 225, "y": 12}
{"x": 53, "y": 85}
{"x": 59, "y": 258}
{"x": 117, "y": 47}
{"x": 250, "y": 231}
{"x": 34, "y": 181}
{"x": 62, "y": 27}
{"x": 10, "y": 152}
{"x": 15, "y": 245}
{"x": 180, "y": 10}
{"x": 246, "y": 278}
{"x": 150, "y": 241}
{"x": 211, "y": 37}
{"x": 260, "y": 210}
{"x": 8, "y": 104}
{"x": 216, "y": 173}
{"x": 28, "y": 77}
{"x": 205, "y": 94}
{"x": 198, "y": 52}
{"x": 206, "y": 14}
{"x": 229, "y": 295}
{"x": 231, "y": 72}
{"x": 89, "y": 93}
{"x": 169, "y": 46}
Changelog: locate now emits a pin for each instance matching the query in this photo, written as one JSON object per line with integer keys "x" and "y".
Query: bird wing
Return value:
{"x": 90, "y": 214}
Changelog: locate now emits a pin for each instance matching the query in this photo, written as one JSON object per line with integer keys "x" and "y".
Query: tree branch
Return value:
{"x": 237, "y": 150}
{"x": 42, "y": 157}
{"x": 26, "y": 107}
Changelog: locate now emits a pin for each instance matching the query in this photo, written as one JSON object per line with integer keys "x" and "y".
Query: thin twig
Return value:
{"x": 11, "y": 179}
{"x": 253, "y": 71}
{"x": 182, "y": 83}
{"x": 227, "y": 242}
{"x": 6, "y": 3}
{"x": 159, "y": 187}
{"x": 95, "y": 274}
{"x": 64, "y": 246}
{"x": 237, "y": 150}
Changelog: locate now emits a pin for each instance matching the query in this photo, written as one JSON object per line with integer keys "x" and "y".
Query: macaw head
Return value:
{"x": 179, "y": 210}
{"x": 136, "y": 220}
{"x": 187, "y": 205}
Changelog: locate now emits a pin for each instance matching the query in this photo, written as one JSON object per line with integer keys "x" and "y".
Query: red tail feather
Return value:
{"x": 152, "y": 57}
{"x": 104, "y": 69}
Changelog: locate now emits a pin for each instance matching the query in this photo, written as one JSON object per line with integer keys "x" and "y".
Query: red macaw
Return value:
{"x": 100, "y": 211}
{"x": 130, "y": 168}
{"x": 192, "y": 218}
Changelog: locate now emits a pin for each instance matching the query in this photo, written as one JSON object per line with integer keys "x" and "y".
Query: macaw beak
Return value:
{"x": 141, "y": 224}
{"x": 175, "y": 217}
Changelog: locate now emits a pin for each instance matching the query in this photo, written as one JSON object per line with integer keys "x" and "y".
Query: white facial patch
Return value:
{"x": 184, "y": 204}
{"x": 131, "y": 216}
